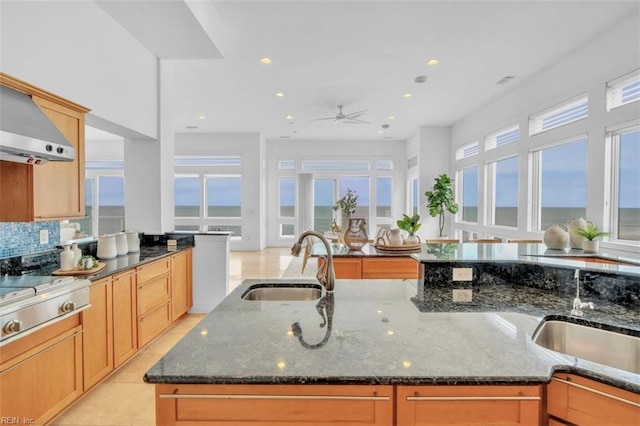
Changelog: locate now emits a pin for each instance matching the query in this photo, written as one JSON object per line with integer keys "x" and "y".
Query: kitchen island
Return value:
{"x": 370, "y": 340}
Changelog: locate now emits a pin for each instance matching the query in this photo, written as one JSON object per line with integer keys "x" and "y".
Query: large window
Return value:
{"x": 414, "y": 197}
{"x": 104, "y": 198}
{"x": 286, "y": 197}
{"x": 502, "y": 197}
{"x": 383, "y": 196}
{"x": 359, "y": 184}
{"x": 627, "y": 190}
{"x": 324, "y": 198}
{"x": 187, "y": 196}
{"x": 562, "y": 178}
{"x": 224, "y": 196}
{"x": 469, "y": 196}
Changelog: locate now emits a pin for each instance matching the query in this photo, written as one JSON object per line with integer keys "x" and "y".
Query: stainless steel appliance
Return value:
{"x": 29, "y": 303}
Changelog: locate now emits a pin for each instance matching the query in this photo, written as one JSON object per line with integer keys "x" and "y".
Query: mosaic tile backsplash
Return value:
{"x": 20, "y": 238}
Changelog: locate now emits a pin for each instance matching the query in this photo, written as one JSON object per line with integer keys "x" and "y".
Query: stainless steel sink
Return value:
{"x": 283, "y": 292}
{"x": 593, "y": 344}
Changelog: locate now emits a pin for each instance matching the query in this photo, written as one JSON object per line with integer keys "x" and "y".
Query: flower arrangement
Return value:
{"x": 409, "y": 223}
{"x": 590, "y": 232}
{"x": 347, "y": 204}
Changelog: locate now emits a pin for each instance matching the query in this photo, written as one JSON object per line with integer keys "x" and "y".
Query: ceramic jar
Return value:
{"x": 122, "y": 247}
{"x": 66, "y": 258}
{"x": 77, "y": 254}
{"x": 556, "y": 237}
{"x": 133, "y": 241}
{"x": 576, "y": 240}
{"x": 395, "y": 237}
{"x": 355, "y": 237}
{"x": 412, "y": 240}
{"x": 591, "y": 246}
{"x": 107, "y": 246}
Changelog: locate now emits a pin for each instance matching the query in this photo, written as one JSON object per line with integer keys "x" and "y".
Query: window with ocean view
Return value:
{"x": 504, "y": 176}
{"x": 383, "y": 196}
{"x": 469, "y": 196}
{"x": 562, "y": 171}
{"x": 323, "y": 200}
{"x": 224, "y": 196}
{"x": 187, "y": 196}
{"x": 414, "y": 196}
{"x": 628, "y": 186}
{"x": 287, "y": 196}
{"x": 110, "y": 204}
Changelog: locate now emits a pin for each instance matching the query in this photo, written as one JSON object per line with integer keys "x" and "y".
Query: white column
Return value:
{"x": 435, "y": 156}
{"x": 149, "y": 168}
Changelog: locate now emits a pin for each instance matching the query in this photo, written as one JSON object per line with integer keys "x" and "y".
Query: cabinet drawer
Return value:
{"x": 469, "y": 405}
{"x": 154, "y": 269}
{"x": 275, "y": 405}
{"x": 154, "y": 323}
{"x": 397, "y": 267}
{"x": 347, "y": 268}
{"x": 153, "y": 293}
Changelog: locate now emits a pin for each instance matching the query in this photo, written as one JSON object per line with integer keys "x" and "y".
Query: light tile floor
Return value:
{"x": 123, "y": 398}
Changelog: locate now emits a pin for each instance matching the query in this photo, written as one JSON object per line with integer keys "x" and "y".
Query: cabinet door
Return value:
{"x": 586, "y": 402}
{"x": 275, "y": 405}
{"x": 347, "y": 267}
{"x": 468, "y": 405}
{"x": 125, "y": 321}
{"x": 180, "y": 284}
{"x": 40, "y": 386}
{"x": 98, "y": 333}
{"x": 153, "y": 323}
{"x": 58, "y": 190}
{"x": 389, "y": 267}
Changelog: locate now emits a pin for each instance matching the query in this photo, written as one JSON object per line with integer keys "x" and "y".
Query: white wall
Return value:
{"x": 298, "y": 150}
{"x": 250, "y": 147}
{"x": 587, "y": 69}
{"x": 77, "y": 51}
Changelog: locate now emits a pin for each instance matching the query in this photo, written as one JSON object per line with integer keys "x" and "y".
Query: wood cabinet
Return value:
{"x": 181, "y": 288}
{"x": 54, "y": 190}
{"x": 97, "y": 324}
{"x": 376, "y": 267}
{"x": 40, "y": 374}
{"x": 468, "y": 405}
{"x": 153, "y": 299}
{"x": 125, "y": 319}
{"x": 573, "y": 399}
{"x": 271, "y": 405}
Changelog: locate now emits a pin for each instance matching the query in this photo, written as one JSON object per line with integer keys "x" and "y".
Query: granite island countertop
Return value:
{"x": 375, "y": 335}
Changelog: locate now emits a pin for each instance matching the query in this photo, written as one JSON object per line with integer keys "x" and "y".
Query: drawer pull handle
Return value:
{"x": 597, "y": 392}
{"x": 473, "y": 398}
{"x": 280, "y": 397}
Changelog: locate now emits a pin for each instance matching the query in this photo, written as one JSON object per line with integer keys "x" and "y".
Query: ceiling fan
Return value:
{"x": 341, "y": 117}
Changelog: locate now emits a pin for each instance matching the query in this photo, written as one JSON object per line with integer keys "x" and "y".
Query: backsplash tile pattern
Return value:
{"x": 20, "y": 238}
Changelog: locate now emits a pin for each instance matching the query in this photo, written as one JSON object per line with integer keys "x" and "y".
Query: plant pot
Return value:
{"x": 590, "y": 246}
{"x": 412, "y": 240}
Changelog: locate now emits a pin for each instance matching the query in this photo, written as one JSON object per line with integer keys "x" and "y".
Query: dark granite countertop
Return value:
{"x": 375, "y": 335}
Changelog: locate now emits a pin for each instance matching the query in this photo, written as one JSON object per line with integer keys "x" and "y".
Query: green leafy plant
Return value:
{"x": 440, "y": 199}
{"x": 409, "y": 223}
{"x": 348, "y": 203}
{"x": 590, "y": 232}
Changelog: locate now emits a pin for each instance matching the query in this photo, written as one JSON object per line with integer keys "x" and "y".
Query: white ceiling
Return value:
{"x": 362, "y": 54}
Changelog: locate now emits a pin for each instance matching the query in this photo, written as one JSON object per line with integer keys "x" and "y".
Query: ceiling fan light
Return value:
{"x": 433, "y": 62}
{"x": 279, "y": 95}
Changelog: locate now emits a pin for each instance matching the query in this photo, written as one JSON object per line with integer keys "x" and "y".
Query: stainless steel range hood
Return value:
{"x": 26, "y": 133}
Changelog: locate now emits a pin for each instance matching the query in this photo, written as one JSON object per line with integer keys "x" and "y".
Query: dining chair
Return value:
{"x": 485, "y": 240}
{"x": 524, "y": 241}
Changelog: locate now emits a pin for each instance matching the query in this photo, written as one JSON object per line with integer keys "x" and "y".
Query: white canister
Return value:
{"x": 66, "y": 258}
{"x": 107, "y": 246}
{"x": 122, "y": 247}
{"x": 133, "y": 241}
{"x": 77, "y": 254}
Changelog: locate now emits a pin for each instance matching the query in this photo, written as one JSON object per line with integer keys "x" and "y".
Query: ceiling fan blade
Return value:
{"x": 325, "y": 118}
{"x": 355, "y": 114}
{"x": 354, "y": 121}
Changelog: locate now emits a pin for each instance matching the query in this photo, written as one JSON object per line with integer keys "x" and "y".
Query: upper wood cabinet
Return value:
{"x": 54, "y": 190}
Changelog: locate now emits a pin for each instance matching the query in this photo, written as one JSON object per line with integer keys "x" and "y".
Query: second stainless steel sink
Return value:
{"x": 605, "y": 347}
{"x": 282, "y": 292}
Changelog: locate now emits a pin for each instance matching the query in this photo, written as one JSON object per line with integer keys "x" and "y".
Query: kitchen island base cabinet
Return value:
{"x": 468, "y": 405}
{"x": 573, "y": 399}
{"x": 40, "y": 374}
{"x": 376, "y": 267}
{"x": 267, "y": 405}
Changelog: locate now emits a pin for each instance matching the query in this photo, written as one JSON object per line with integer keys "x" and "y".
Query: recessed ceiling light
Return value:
{"x": 420, "y": 79}
{"x": 407, "y": 96}
{"x": 391, "y": 117}
{"x": 379, "y": 132}
{"x": 279, "y": 95}
{"x": 289, "y": 117}
{"x": 266, "y": 61}
{"x": 202, "y": 117}
{"x": 433, "y": 62}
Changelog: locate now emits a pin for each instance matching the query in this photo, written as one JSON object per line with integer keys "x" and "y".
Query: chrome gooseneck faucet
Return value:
{"x": 326, "y": 275}
{"x": 578, "y": 305}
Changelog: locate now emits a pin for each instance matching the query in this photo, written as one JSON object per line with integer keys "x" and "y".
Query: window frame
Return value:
{"x": 490, "y": 184}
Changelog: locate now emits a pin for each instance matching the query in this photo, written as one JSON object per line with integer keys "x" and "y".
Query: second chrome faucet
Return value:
{"x": 578, "y": 305}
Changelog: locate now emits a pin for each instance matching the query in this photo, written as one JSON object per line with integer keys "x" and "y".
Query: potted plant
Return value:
{"x": 410, "y": 224}
{"x": 347, "y": 206}
{"x": 440, "y": 199}
{"x": 590, "y": 232}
